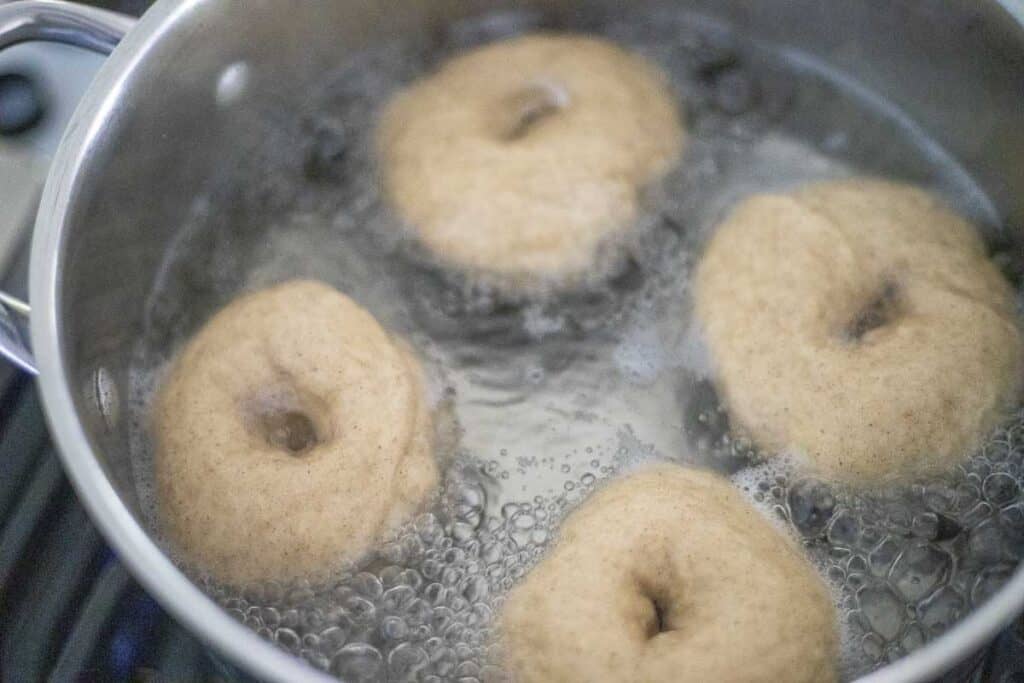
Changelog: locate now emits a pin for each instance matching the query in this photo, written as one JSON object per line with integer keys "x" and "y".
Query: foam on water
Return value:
{"x": 557, "y": 394}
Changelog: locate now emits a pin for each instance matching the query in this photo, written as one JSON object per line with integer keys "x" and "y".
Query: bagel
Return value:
{"x": 521, "y": 160}
{"x": 861, "y": 324}
{"x": 668, "y": 575}
{"x": 290, "y": 435}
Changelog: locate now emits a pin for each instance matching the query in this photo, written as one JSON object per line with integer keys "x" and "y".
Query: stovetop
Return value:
{"x": 69, "y": 611}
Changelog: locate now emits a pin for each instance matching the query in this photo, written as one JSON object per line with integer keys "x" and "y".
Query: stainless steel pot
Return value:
{"x": 172, "y": 109}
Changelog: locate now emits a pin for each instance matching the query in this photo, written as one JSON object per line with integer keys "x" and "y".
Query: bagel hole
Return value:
{"x": 661, "y": 608}
{"x": 660, "y": 618}
{"x": 881, "y": 310}
{"x": 525, "y": 109}
{"x": 289, "y": 430}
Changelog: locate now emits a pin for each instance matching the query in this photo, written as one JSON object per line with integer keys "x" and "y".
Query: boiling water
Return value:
{"x": 556, "y": 395}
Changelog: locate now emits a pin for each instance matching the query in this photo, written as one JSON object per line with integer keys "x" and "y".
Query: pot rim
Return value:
{"x": 146, "y": 561}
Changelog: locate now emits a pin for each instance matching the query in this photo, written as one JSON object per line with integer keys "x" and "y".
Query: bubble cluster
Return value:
{"x": 908, "y": 562}
{"x": 422, "y": 606}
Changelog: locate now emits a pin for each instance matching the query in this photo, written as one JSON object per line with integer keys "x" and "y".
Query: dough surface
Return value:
{"x": 668, "y": 575}
{"x": 859, "y": 323}
{"x": 291, "y": 434}
{"x": 524, "y": 159}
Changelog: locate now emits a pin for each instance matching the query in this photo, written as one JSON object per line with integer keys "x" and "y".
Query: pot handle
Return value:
{"x": 55, "y": 21}
{"x": 58, "y": 22}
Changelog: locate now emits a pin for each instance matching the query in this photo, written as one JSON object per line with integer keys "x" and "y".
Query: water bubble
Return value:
{"x": 810, "y": 506}
{"x": 443, "y": 659}
{"x": 919, "y": 569}
{"x": 450, "y": 576}
{"x": 857, "y": 564}
{"x": 940, "y": 610}
{"x": 411, "y": 578}
{"x": 358, "y": 663}
{"x": 988, "y": 583}
{"x": 432, "y": 568}
{"x": 854, "y": 582}
{"x": 389, "y": 576}
{"x": 1000, "y": 489}
{"x": 362, "y": 610}
{"x": 844, "y": 529}
{"x": 454, "y": 633}
{"x": 523, "y": 521}
{"x": 476, "y": 589}
{"x": 313, "y": 620}
{"x": 968, "y": 498}
{"x": 419, "y": 612}
{"x": 940, "y": 498}
{"x": 398, "y": 598}
{"x": 406, "y": 662}
{"x": 882, "y": 556}
{"x": 291, "y": 618}
{"x": 394, "y": 628}
{"x": 491, "y": 553}
{"x": 436, "y": 593}
{"x": 315, "y": 659}
{"x": 872, "y": 646}
{"x": 985, "y": 544}
{"x": 521, "y": 537}
{"x": 368, "y": 585}
{"x": 1012, "y": 518}
{"x": 287, "y": 638}
{"x": 463, "y": 531}
{"x": 270, "y": 617}
{"x": 925, "y": 525}
{"x": 443, "y": 617}
{"x": 882, "y": 609}
{"x": 332, "y": 639}
{"x": 481, "y": 615}
{"x": 457, "y": 603}
{"x": 913, "y": 637}
{"x": 467, "y": 669}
